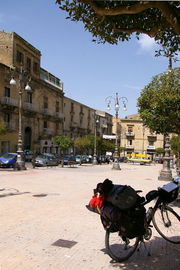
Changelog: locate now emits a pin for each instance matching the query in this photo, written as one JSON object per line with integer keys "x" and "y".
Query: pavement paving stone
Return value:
{"x": 51, "y": 206}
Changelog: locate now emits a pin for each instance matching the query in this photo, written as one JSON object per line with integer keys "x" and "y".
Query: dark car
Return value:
{"x": 123, "y": 159}
{"x": 68, "y": 160}
{"x": 45, "y": 160}
{"x": 8, "y": 160}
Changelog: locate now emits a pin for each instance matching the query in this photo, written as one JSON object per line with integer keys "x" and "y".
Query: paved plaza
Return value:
{"x": 46, "y": 226}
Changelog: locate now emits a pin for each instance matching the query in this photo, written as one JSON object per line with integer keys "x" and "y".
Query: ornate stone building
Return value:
{"x": 46, "y": 112}
{"x": 79, "y": 119}
{"x": 42, "y": 108}
{"x": 135, "y": 137}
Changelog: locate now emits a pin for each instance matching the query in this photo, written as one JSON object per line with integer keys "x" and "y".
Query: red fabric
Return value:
{"x": 97, "y": 200}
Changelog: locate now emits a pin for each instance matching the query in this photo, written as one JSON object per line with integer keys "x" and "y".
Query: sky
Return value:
{"x": 90, "y": 72}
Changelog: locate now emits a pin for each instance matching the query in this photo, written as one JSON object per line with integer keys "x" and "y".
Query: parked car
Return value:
{"x": 158, "y": 160}
{"x": 68, "y": 160}
{"x": 123, "y": 159}
{"x": 80, "y": 159}
{"x": 45, "y": 160}
{"x": 8, "y": 160}
{"x": 28, "y": 154}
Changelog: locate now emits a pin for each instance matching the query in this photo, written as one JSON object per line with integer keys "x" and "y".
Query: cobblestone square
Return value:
{"x": 43, "y": 206}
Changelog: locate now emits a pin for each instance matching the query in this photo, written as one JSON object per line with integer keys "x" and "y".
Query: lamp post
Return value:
{"x": 96, "y": 121}
{"x": 166, "y": 173}
{"x": 22, "y": 77}
{"x": 116, "y": 100}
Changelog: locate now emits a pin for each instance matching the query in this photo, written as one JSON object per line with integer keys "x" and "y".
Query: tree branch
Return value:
{"x": 167, "y": 11}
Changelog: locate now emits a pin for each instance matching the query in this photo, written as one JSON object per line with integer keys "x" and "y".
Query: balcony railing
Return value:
{"x": 129, "y": 133}
{"x": 128, "y": 146}
{"x": 59, "y": 115}
{"x": 10, "y": 126}
{"x": 48, "y": 131}
{"x": 30, "y": 107}
{"x": 151, "y": 147}
{"x": 9, "y": 101}
{"x": 47, "y": 112}
{"x": 152, "y": 135}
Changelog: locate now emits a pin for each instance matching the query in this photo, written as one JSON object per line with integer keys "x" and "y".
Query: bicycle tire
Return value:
{"x": 118, "y": 249}
{"x": 167, "y": 223}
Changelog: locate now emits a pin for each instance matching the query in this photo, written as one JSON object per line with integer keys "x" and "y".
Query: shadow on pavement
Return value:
{"x": 163, "y": 256}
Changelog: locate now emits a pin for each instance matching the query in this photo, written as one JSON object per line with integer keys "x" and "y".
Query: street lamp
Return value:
{"x": 166, "y": 173}
{"x": 116, "y": 100}
{"x": 22, "y": 83}
{"x": 96, "y": 121}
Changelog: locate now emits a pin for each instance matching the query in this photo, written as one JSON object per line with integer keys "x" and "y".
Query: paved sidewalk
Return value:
{"x": 41, "y": 206}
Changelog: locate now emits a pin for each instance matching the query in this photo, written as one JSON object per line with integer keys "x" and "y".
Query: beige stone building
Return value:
{"x": 135, "y": 137}
{"x": 42, "y": 108}
{"x": 46, "y": 112}
{"x": 104, "y": 123}
{"x": 78, "y": 120}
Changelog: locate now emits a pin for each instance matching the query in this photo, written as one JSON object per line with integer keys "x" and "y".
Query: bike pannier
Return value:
{"x": 132, "y": 222}
{"x": 122, "y": 196}
{"x": 169, "y": 192}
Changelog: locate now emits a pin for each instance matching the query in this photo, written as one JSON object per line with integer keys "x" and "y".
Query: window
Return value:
{"x": 6, "y": 91}
{"x": 130, "y": 129}
{"x": 19, "y": 57}
{"x": 45, "y": 102}
{"x": 28, "y": 64}
{"x": 57, "y": 106}
{"x": 129, "y": 142}
{"x": 151, "y": 143}
{"x": 7, "y": 117}
{"x": 57, "y": 127}
{"x": 72, "y": 107}
{"x": 29, "y": 97}
{"x": 45, "y": 124}
{"x": 35, "y": 67}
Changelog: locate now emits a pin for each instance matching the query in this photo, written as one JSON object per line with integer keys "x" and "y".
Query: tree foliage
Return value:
{"x": 159, "y": 103}
{"x": 64, "y": 142}
{"x": 175, "y": 145}
{"x": 86, "y": 143}
{"x": 114, "y": 21}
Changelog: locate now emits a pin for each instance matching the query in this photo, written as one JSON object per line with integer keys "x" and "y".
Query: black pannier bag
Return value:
{"x": 132, "y": 222}
{"x": 111, "y": 217}
{"x": 122, "y": 196}
{"x": 129, "y": 223}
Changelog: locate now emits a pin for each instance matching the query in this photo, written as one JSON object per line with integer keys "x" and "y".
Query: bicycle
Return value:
{"x": 163, "y": 217}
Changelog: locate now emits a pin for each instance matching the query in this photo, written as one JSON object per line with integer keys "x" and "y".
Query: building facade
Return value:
{"x": 42, "y": 108}
{"x": 45, "y": 112}
{"x": 134, "y": 137}
{"x": 78, "y": 120}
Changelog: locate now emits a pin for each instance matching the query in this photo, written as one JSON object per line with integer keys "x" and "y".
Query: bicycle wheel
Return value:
{"x": 167, "y": 223}
{"x": 119, "y": 249}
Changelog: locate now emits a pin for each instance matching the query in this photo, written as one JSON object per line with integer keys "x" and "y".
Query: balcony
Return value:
{"x": 59, "y": 115}
{"x": 30, "y": 107}
{"x": 151, "y": 147}
{"x": 48, "y": 112}
{"x": 10, "y": 126}
{"x": 9, "y": 101}
{"x": 128, "y": 146}
{"x": 48, "y": 131}
{"x": 129, "y": 134}
{"x": 152, "y": 136}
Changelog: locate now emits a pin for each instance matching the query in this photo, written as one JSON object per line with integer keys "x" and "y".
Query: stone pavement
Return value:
{"x": 38, "y": 207}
